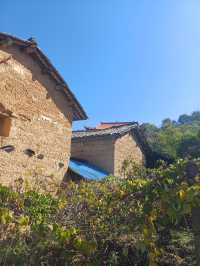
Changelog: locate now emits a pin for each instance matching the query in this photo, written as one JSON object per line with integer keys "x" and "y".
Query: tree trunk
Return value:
{"x": 196, "y": 231}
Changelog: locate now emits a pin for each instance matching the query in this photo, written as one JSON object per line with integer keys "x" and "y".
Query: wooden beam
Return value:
{"x": 59, "y": 86}
{"x": 6, "y": 42}
{"x": 46, "y": 71}
{"x": 30, "y": 48}
{"x": 196, "y": 231}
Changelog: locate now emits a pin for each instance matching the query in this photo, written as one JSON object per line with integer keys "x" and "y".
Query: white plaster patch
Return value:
{"x": 34, "y": 98}
{"x": 19, "y": 69}
{"x": 43, "y": 117}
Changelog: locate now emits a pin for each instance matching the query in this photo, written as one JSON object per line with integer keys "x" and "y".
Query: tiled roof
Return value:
{"x": 113, "y": 131}
{"x": 104, "y": 125}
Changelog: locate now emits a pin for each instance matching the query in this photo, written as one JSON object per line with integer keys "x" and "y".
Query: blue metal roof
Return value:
{"x": 86, "y": 170}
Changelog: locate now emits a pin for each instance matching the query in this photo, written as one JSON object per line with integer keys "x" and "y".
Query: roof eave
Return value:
{"x": 78, "y": 111}
{"x": 109, "y": 136}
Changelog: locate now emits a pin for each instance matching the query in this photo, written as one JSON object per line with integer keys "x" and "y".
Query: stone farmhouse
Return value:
{"x": 108, "y": 145}
{"x": 37, "y": 109}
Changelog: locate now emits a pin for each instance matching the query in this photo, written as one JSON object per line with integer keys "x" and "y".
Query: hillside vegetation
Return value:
{"x": 149, "y": 218}
{"x": 175, "y": 139}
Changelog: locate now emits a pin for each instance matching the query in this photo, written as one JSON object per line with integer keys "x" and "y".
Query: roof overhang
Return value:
{"x": 86, "y": 170}
{"x": 31, "y": 48}
{"x": 112, "y": 132}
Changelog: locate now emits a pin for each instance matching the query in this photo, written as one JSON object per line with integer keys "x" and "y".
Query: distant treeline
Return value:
{"x": 175, "y": 139}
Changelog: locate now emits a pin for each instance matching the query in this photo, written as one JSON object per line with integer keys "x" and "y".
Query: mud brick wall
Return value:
{"x": 108, "y": 153}
{"x": 97, "y": 151}
{"x": 40, "y": 121}
{"x": 126, "y": 147}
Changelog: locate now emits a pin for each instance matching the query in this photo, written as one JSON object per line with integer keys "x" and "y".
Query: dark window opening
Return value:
{"x": 29, "y": 152}
{"x": 5, "y": 125}
{"x": 8, "y": 148}
{"x": 61, "y": 165}
{"x": 40, "y": 156}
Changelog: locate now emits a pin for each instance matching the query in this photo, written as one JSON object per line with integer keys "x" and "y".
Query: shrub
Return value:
{"x": 144, "y": 219}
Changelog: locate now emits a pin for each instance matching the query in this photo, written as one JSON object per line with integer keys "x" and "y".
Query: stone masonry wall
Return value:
{"x": 98, "y": 151}
{"x": 126, "y": 148}
{"x": 41, "y": 120}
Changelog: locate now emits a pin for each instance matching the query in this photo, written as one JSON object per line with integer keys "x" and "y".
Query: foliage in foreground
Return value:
{"x": 144, "y": 219}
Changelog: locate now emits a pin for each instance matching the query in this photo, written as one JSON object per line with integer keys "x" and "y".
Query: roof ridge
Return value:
{"x": 113, "y": 131}
{"x": 118, "y": 122}
{"x": 104, "y": 129}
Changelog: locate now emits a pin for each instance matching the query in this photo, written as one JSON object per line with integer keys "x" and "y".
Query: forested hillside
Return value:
{"x": 175, "y": 139}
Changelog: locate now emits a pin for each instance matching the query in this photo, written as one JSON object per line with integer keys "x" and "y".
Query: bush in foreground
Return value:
{"x": 142, "y": 220}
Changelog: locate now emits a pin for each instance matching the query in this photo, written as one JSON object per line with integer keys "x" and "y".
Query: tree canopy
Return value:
{"x": 175, "y": 139}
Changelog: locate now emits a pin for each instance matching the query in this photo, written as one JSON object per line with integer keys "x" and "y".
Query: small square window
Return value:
{"x": 5, "y": 125}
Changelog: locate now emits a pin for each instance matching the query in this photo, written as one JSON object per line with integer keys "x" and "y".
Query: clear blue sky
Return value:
{"x": 124, "y": 59}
